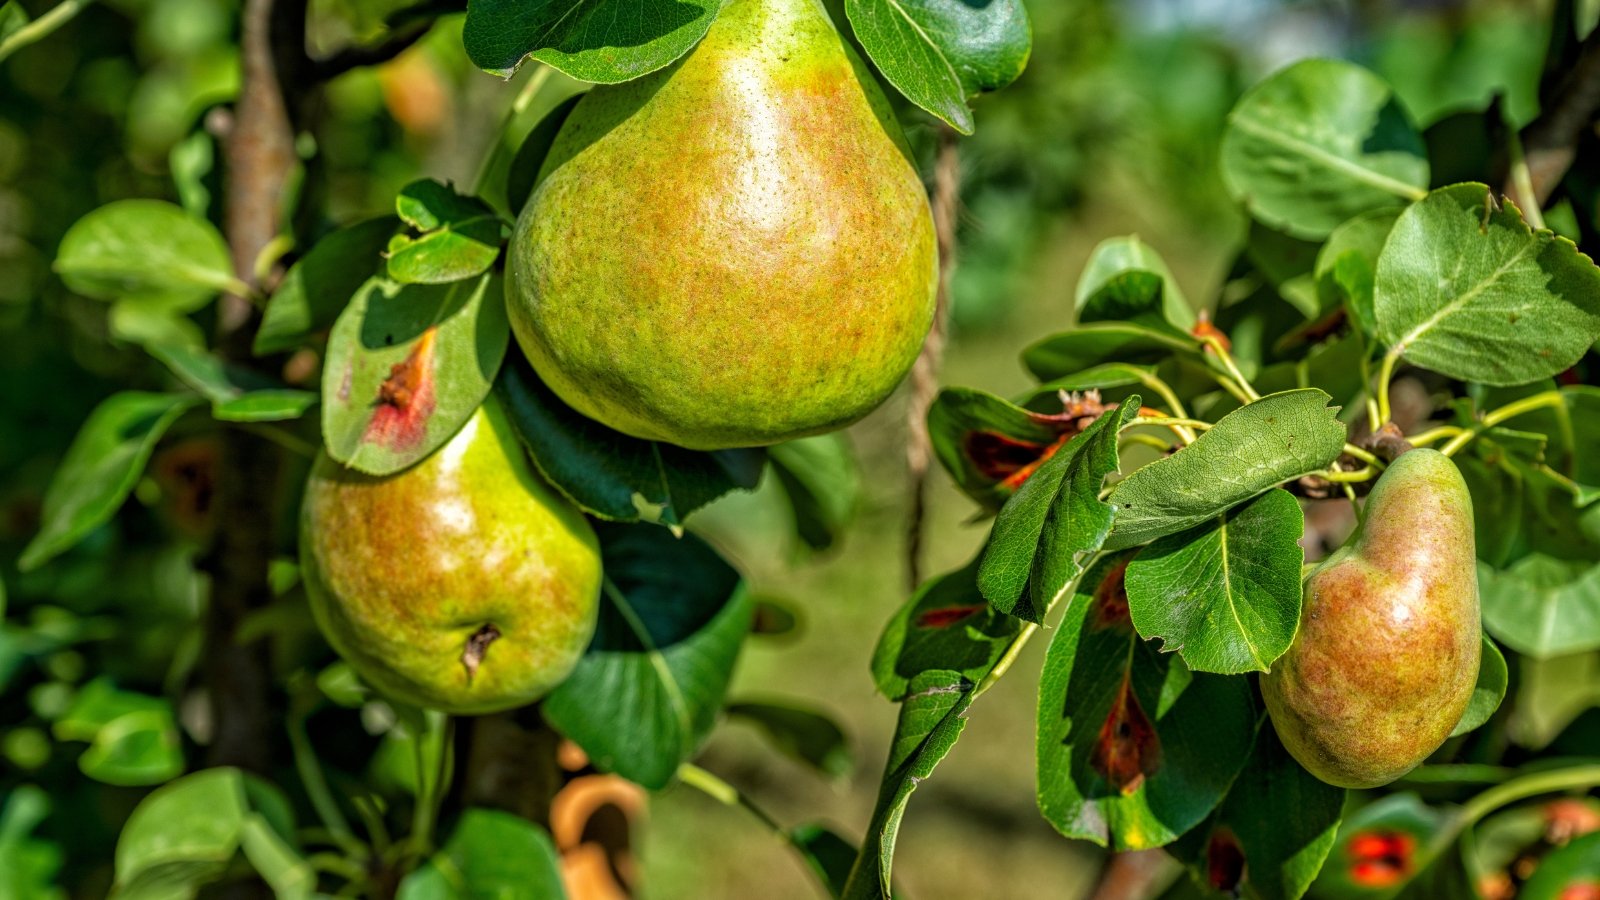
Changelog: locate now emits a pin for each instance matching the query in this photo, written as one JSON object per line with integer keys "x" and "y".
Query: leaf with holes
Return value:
{"x": 407, "y": 366}
{"x": 931, "y": 719}
{"x": 940, "y": 52}
{"x": 1133, "y": 748}
{"x": 1248, "y": 452}
{"x": 1466, "y": 288}
{"x": 945, "y": 625}
{"x": 1317, "y": 143}
{"x": 610, "y": 474}
{"x": 100, "y": 468}
{"x": 1054, "y": 522}
{"x": 1224, "y": 595}
{"x": 672, "y": 618}
{"x": 604, "y": 41}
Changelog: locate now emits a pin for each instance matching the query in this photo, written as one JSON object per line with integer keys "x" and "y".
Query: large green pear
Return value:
{"x": 732, "y": 251}
{"x": 464, "y": 583}
{"x": 1388, "y": 649}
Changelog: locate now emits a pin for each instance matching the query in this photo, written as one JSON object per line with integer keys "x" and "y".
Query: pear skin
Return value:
{"x": 732, "y": 251}
{"x": 1388, "y": 649}
{"x": 464, "y": 583}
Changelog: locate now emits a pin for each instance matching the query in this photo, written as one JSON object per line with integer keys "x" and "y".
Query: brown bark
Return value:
{"x": 946, "y": 199}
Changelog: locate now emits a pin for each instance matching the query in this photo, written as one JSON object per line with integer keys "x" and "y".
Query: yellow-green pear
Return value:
{"x": 732, "y": 251}
{"x": 464, "y": 583}
{"x": 1390, "y": 636}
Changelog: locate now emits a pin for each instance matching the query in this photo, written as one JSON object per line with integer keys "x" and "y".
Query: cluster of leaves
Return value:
{"x": 1184, "y": 576}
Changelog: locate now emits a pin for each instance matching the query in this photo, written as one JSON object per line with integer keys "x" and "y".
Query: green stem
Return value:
{"x": 1365, "y": 473}
{"x": 41, "y": 27}
{"x": 1167, "y": 422}
{"x": 434, "y": 761}
{"x": 1147, "y": 440}
{"x": 1363, "y": 455}
{"x": 519, "y": 105}
{"x": 1155, "y": 383}
{"x": 1434, "y": 435}
{"x": 1232, "y": 368}
{"x": 728, "y": 795}
{"x": 312, "y": 779}
{"x": 1527, "y": 786}
{"x": 1542, "y": 400}
{"x": 1385, "y": 374}
{"x": 1011, "y": 655}
{"x": 1522, "y": 179}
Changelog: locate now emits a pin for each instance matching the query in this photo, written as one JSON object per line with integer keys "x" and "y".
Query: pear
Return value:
{"x": 464, "y": 583}
{"x": 1390, "y": 636}
{"x": 732, "y": 251}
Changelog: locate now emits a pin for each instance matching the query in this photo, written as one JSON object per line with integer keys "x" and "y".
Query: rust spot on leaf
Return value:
{"x": 998, "y": 457}
{"x": 1224, "y": 861}
{"x": 1380, "y": 859}
{"x": 1127, "y": 749}
{"x": 1588, "y": 890}
{"x": 1011, "y": 461}
{"x": 1110, "y": 608}
{"x": 945, "y": 616}
{"x": 478, "y": 645}
{"x": 405, "y": 399}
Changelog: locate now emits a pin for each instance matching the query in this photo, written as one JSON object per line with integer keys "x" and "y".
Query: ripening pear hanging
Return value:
{"x": 1390, "y": 637}
{"x": 464, "y": 583}
{"x": 732, "y": 251}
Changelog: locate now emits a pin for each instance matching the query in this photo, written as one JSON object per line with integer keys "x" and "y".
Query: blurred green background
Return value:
{"x": 1112, "y": 130}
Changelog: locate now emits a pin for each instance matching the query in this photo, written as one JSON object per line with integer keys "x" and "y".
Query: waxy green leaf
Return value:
{"x": 1249, "y": 451}
{"x": 1070, "y": 352}
{"x": 146, "y": 250}
{"x": 673, "y": 616}
{"x": 489, "y": 854}
{"x": 1317, "y": 143}
{"x": 460, "y": 235}
{"x": 1125, "y": 279}
{"x": 1489, "y": 690}
{"x": 1466, "y": 288}
{"x": 236, "y": 395}
{"x": 1224, "y": 595}
{"x": 316, "y": 288}
{"x": 945, "y": 625}
{"x": 604, "y": 41}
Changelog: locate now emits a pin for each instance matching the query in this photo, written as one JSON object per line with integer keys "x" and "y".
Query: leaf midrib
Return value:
{"x": 658, "y": 660}
{"x": 1329, "y": 160}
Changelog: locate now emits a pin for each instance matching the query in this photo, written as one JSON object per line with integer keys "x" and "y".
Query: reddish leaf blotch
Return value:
{"x": 1127, "y": 749}
{"x": 945, "y": 616}
{"x": 1380, "y": 859}
{"x": 1224, "y": 861}
{"x": 1110, "y": 608}
{"x": 405, "y": 399}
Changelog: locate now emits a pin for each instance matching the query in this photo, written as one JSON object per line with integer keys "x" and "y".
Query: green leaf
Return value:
{"x": 192, "y": 162}
{"x": 1551, "y": 693}
{"x": 146, "y": 250}
{"x": 134, "y": 749}
{"x": 1054, "y": 522}
{"x": 1277, "y": 856}
{"x": 1317, "y": 143}
{"x": 1347, "y": 265}
{"x": 280, "y": 865}
{"x": 804, "y": 734}
{"x": 823, "y": 483}
{"x": 1568, "y": 872}
{"x": 828, "y": 855}
{"x": 931, "y": 720}
{"x": 1543, "y": 606}
{"x": 316, "y": 288}
{"x": 236, "y": 395}
{"x": 939, "y": 52}
{"x": 1225, "y": 595}
{"x": 945, "y": 625}
{"x": 28, "y": 865}
{"x": 1249, "y": 451}
{"x": 1489, "y": 690}
{"x": 181, "y": 835}
{"x": 1070, "y": 352}
{"x": 100, "y": 468}
{"x": 1126, "y": 280}
{"x": 407, "y": 365}
{"x": 1133, "y": 748}
{"x": 12, "y": 17}
{"x": 491, "y": 855}
{"x": 1464, "y": 287}
{"x": 460, "y": 235}
{"x": 147, "y": 322}
{"x": 604, "y": 41}
{"x": 610, "y": 474}
{"x": 672, "y": 618}
{"x": 523, "y": 173}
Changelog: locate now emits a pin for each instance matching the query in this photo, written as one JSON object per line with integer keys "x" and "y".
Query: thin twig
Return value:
{"x": 925, "y": 374}
{"x": 393, "y": 44}
{"x": 42, "y": 27}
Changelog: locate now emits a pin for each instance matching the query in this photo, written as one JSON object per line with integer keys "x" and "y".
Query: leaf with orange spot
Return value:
{"x": 1571, "y": 872}
{"x": 407, "y": 365}
{"x": 1054, "y": 523}
{"x": 945, "y": 625}
{"x": 1117, "y": 760}
{"x": 984, "y": 441}
{"x": 1387, "y": 845}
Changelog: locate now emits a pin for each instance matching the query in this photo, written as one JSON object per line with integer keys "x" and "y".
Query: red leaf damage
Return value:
{"x": 405, "y": 399}
{"x": 1127, "y": 749}
{"x": 1380, "y": 859}
{"x": 1110, "y": 608}
{"x": 1224, "y": 861}
{"x": 945, "y": 616}
{"x": 1010, "y": 461}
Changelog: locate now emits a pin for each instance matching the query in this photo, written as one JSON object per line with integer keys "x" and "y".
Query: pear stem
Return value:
{"x": 1542, "y": 400}
{"x": 1155, "y": 383}
{"x": 1385, "y": 375}
{"x": 1216, "y": 346}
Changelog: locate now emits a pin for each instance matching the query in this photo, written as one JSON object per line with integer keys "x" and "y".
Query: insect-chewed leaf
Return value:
{"x": 1252, "y": 449}
{"x": 1119, "y": 760}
